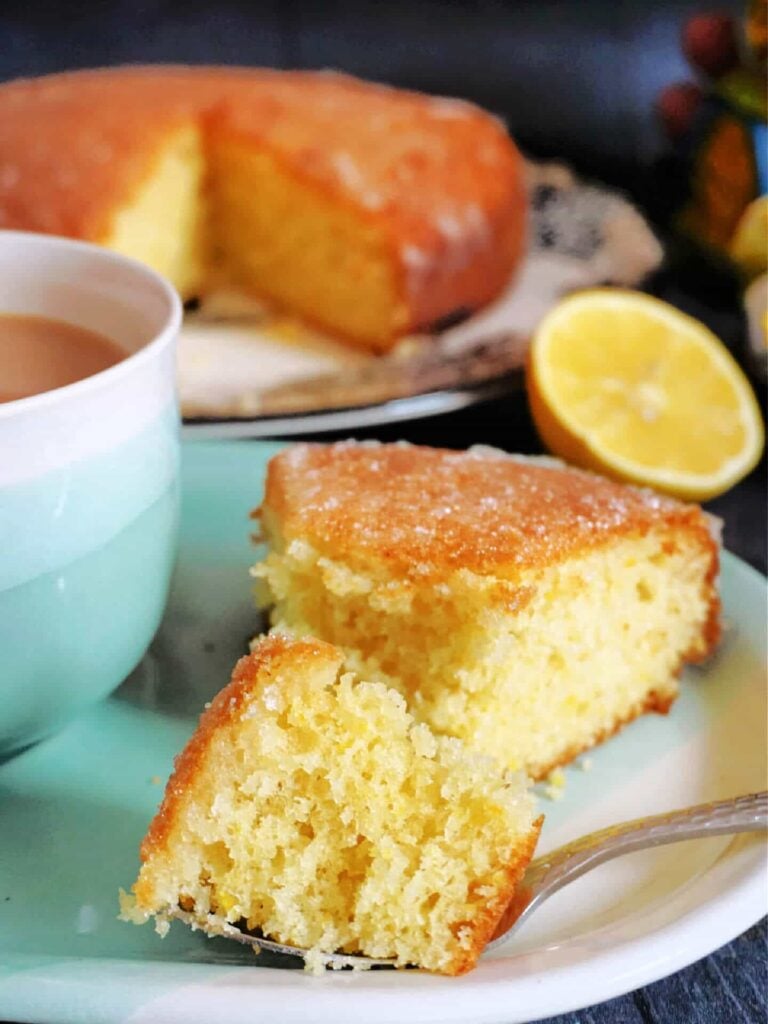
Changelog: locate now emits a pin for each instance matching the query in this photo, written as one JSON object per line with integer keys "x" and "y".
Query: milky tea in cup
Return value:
{"x": 89, "y": 453}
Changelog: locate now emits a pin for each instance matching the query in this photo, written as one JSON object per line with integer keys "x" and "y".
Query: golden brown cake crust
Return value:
{"x": 423, "y": 513}
{"x": 484, "y": 925}
{"x": 266, "y": 659}
{"x": 439, "y": 178}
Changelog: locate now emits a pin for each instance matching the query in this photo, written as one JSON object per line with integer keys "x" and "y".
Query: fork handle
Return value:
{"x": 549, "y": 873}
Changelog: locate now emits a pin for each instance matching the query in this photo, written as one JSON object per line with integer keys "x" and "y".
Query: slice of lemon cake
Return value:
{"x": 527, "y": 608}
{"x": 310, "y": 805}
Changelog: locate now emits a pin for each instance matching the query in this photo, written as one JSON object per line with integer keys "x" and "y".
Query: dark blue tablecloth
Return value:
{"x": 728, "y": 987}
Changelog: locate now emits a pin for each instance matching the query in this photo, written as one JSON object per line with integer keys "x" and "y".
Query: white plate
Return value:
{"x": 74, "y": 809}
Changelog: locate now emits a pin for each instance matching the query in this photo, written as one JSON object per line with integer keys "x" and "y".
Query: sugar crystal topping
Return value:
{"x": 427, "y": 510}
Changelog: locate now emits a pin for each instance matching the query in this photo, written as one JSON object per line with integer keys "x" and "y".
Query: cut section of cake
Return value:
{"x": 526, "y": 608}
{"x": 309, "y": 805}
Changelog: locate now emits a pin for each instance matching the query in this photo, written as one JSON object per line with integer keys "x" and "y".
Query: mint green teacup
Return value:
{"x": 88, "y": 488}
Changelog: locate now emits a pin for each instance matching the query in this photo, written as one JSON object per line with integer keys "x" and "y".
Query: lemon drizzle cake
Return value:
{"x": 369, "y": 211}
{"x": 527, "y": 609}
{"x": 309, "y": 805}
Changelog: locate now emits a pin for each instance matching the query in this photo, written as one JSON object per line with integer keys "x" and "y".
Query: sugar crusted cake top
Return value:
{"x": 424, "y": 512}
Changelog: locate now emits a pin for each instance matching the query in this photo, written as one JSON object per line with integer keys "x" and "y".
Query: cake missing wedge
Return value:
{"x": 524, "y": 607}
{"x": 310, "y": 805}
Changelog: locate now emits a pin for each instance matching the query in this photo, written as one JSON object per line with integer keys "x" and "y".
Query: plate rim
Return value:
{"x": 421, "y": 406}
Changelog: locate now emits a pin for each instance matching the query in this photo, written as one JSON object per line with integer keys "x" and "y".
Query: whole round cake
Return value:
{"x": 369, "y": 211}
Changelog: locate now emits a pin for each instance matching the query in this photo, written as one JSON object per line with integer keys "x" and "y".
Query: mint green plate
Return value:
{"x": 73, "y": 811}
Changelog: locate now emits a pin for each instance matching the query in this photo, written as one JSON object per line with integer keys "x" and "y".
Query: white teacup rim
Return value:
{"x": 131, "y": 359}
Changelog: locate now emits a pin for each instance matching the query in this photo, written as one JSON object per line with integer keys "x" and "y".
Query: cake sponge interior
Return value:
{"x": 531, "y": 672}
{"x": 166, "y": 220}
{"x": 311, "y": 806}
{"x": 291, "y": 243}
{"x": 211, "y": 210}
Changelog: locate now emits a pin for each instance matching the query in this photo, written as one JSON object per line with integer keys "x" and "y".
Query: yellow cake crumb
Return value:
{"x": 555, "y": 788}
{"x": 310, "y": 805}
{"x": 526, "y": 608}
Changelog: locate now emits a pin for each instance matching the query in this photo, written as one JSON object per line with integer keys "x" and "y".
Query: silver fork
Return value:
{"x": 548, "y": 874}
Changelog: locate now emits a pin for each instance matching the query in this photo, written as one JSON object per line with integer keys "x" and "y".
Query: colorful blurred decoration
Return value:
{"x": 749, "y": 243}
{"x": 756, "y": 309}
{"x": 718, "y": 128}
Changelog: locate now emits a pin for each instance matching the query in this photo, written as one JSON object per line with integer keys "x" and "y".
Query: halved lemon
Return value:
{"x": 628, "y": 385}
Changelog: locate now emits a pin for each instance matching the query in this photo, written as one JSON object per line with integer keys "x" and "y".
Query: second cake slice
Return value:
{"x": 528, "y": 609}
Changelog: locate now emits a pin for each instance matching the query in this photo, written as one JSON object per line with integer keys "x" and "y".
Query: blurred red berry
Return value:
{"x": 710, "y": 43}
{"x": 676, "y": 106}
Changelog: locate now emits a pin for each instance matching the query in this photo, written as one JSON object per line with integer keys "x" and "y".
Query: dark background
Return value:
{"x": 574, "y": 80}
{"x": 573, "y": 77}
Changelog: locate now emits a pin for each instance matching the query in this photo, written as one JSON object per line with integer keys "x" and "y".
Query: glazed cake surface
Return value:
{"x": 369, "y": 211}
{"x": 527, "y": 608}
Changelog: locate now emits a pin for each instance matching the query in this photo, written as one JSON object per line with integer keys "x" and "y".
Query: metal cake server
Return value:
{"x": 550, "y": 873}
